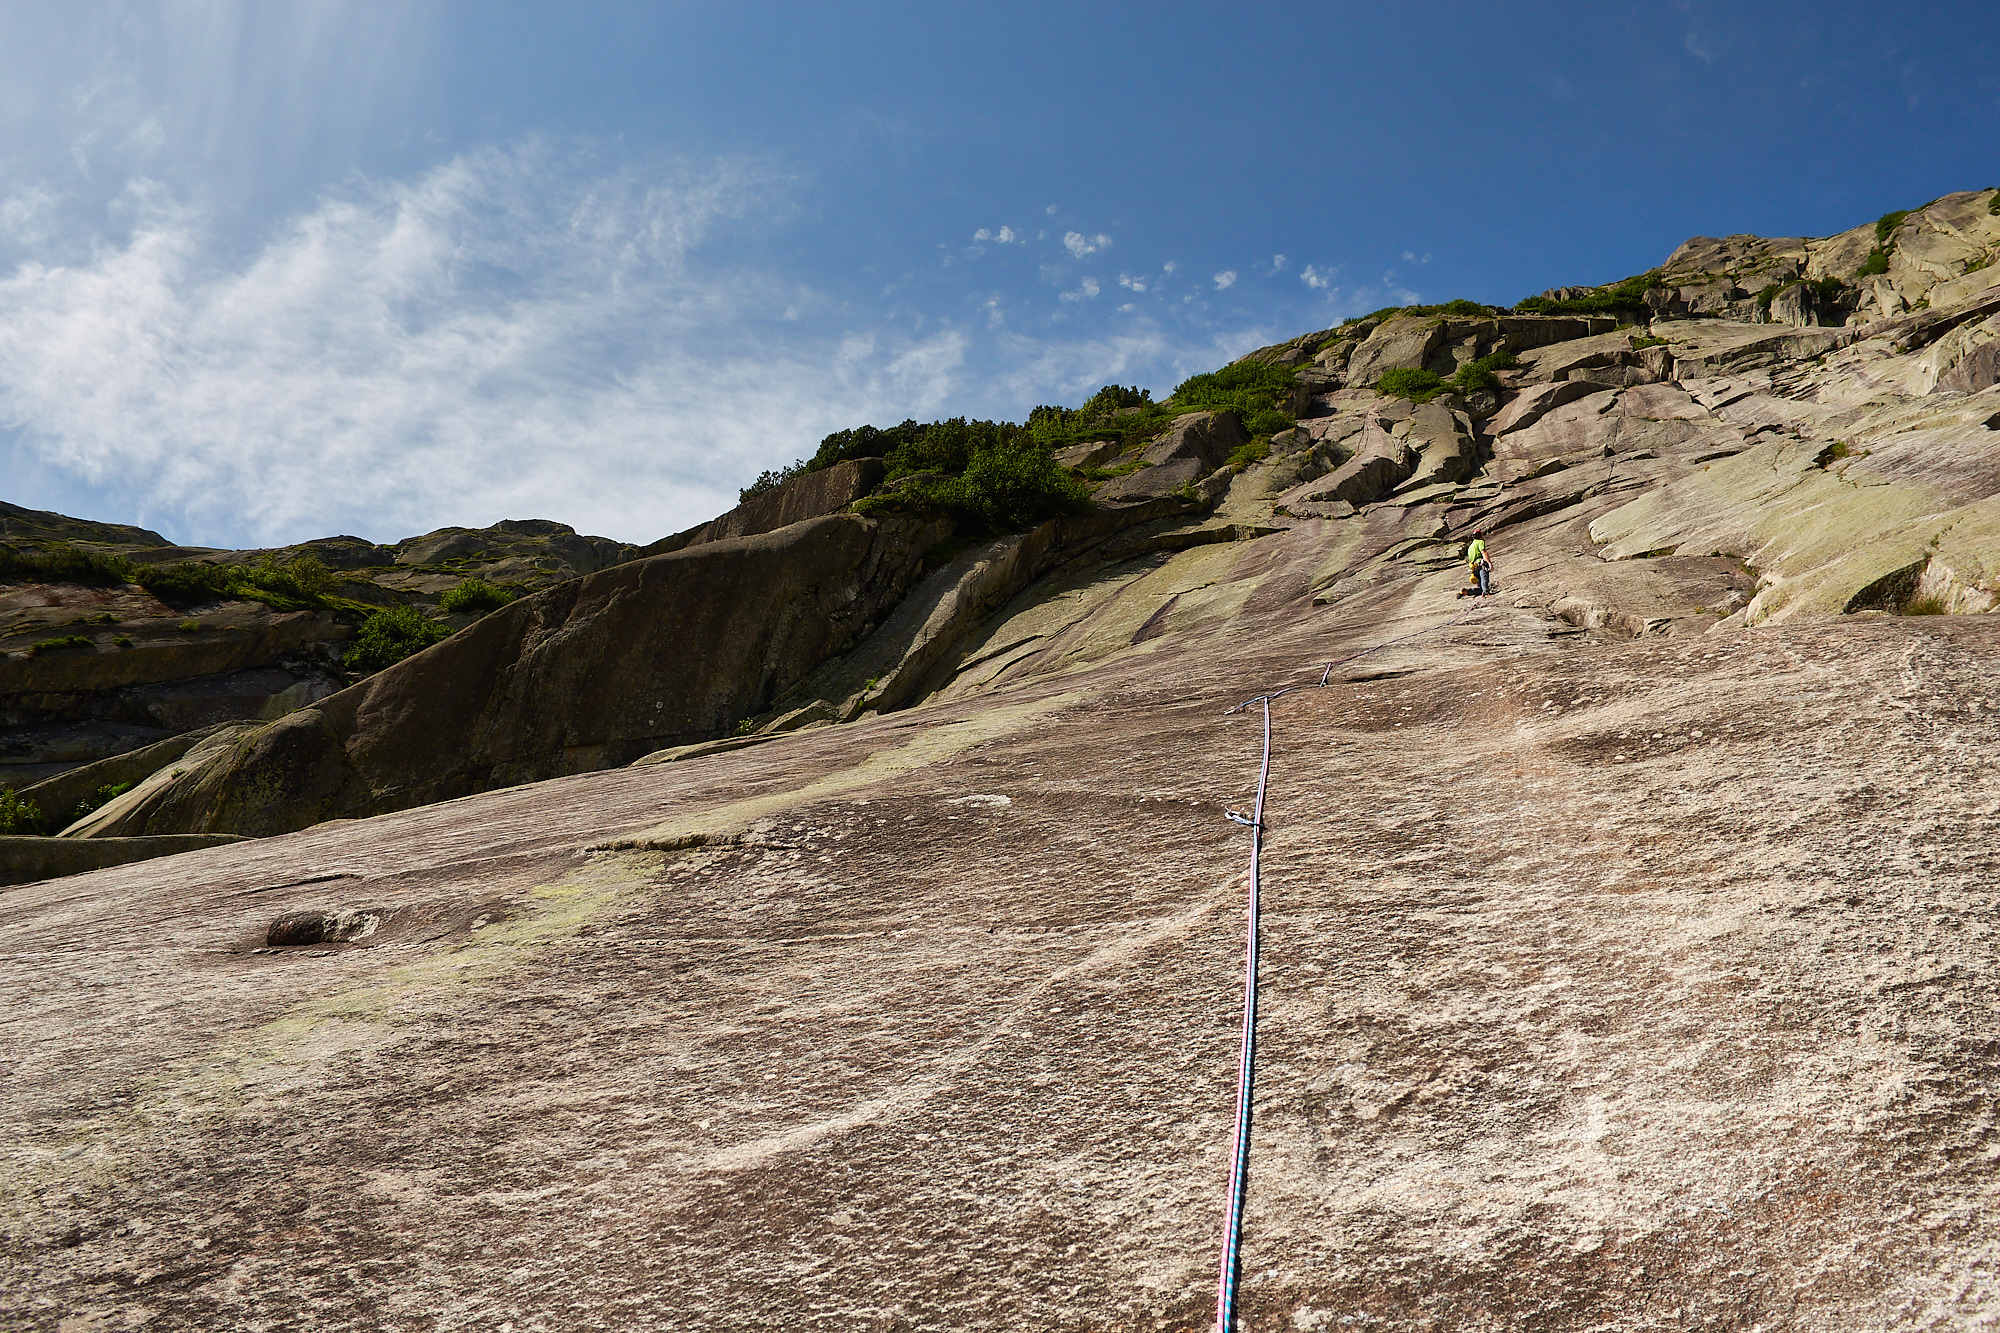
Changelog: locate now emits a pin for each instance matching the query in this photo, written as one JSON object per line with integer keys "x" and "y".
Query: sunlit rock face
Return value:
{"x": 1629, "y": 939}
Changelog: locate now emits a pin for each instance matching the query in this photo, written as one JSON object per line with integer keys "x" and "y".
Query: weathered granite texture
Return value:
{"x": 1629, "y": 954}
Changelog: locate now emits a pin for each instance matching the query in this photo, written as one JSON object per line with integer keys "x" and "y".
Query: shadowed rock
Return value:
{"x": 589, "y": 674}
{"x": 321, "y": 927}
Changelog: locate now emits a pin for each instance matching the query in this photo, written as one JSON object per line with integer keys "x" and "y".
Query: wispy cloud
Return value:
{"x": 1004, "y": 236}
{"x": 1084, "y": 291}
{"x": 1080, "y": 245}
{"x": 1225, "y": 279}
{"x": 445, "y": 349}
{"x": 1127, "y": 280}
{"x": 1312, "y": 276}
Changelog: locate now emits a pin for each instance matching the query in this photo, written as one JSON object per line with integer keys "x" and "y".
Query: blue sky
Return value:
{"x": 272, "y": 271}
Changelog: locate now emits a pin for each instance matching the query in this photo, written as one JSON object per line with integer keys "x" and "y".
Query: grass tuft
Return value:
{"x": 57, "y": 645}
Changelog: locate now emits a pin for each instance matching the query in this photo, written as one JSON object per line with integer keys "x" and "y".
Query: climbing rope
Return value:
{"x": 1246, "y": 1068}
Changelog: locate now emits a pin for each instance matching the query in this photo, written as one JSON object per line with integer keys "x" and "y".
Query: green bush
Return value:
{"x": 309, "y": 573}
{"x": 186, "y": 582}
{"x": 771, "y": 479}
{"x": 1116, "y": 398}
{"x": 56, "y": 645}
{"x": 1627, "y": 295}
{"x": 63, "y": 563}
{"x": 1876, "y": 263}
{"x": 1417, "y": 385}
{"x": 1885, "y": 226}
{"x": 1260, "y": 394}
{"x": 296, "y": 584}
{"x": 864, "y": 442}
{"x": 949, "y": 446}
{"x": 102, "y": 797}
{"x": 475, "y": 595}
{"x": 1472, "y": 377}
{"x": 1993, "y": 205}
{"x": 1482, "y": 374}
{"x": 390, "y": 635}
{"x": 1005, "y": 487}
{"x": 18, "y": 816}
{"x": 1462, "y": 309}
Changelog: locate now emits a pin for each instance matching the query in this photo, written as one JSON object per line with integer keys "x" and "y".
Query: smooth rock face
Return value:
{"x": 1629, "y": 951}
{"x": 814, "y": 495}
{"x": 1593, "y": 976}
{"x": 1402, "y": 342}
{"x": 1531, "y": 404}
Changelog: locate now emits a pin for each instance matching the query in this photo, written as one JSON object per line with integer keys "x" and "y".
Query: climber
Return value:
{"x": 1481, "y": 565}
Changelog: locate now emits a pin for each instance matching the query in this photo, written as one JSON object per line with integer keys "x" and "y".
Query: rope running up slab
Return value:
{"x": 1246, "y": 1068}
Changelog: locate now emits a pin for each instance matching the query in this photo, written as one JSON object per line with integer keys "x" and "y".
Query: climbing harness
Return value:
{"x": 1246, "y": 1068}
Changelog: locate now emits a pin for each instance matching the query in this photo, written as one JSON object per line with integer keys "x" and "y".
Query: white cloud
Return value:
{"x": 28, "y": 218}
{"x": 1313, "y": 277}
{"x": 1051, "y": 210}
{"x": 1127, "y": 307}
{"x": 1006, "y": 236}
{"x": 1136, "y": 284}
{"x": 1278, "y": 263}
{"x": 1080, "y": 245}
{"x": 1085, "y": 290}
{"x": 495, "y": 338}
{"x": 982, "y": 235}
{"x": 1409, "y": 257}
{"x": 1226, "y": 278}
{"x": 1170, "y": 266}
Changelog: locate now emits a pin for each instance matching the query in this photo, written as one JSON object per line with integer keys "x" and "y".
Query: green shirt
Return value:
{"x": 1475, "y": 552}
